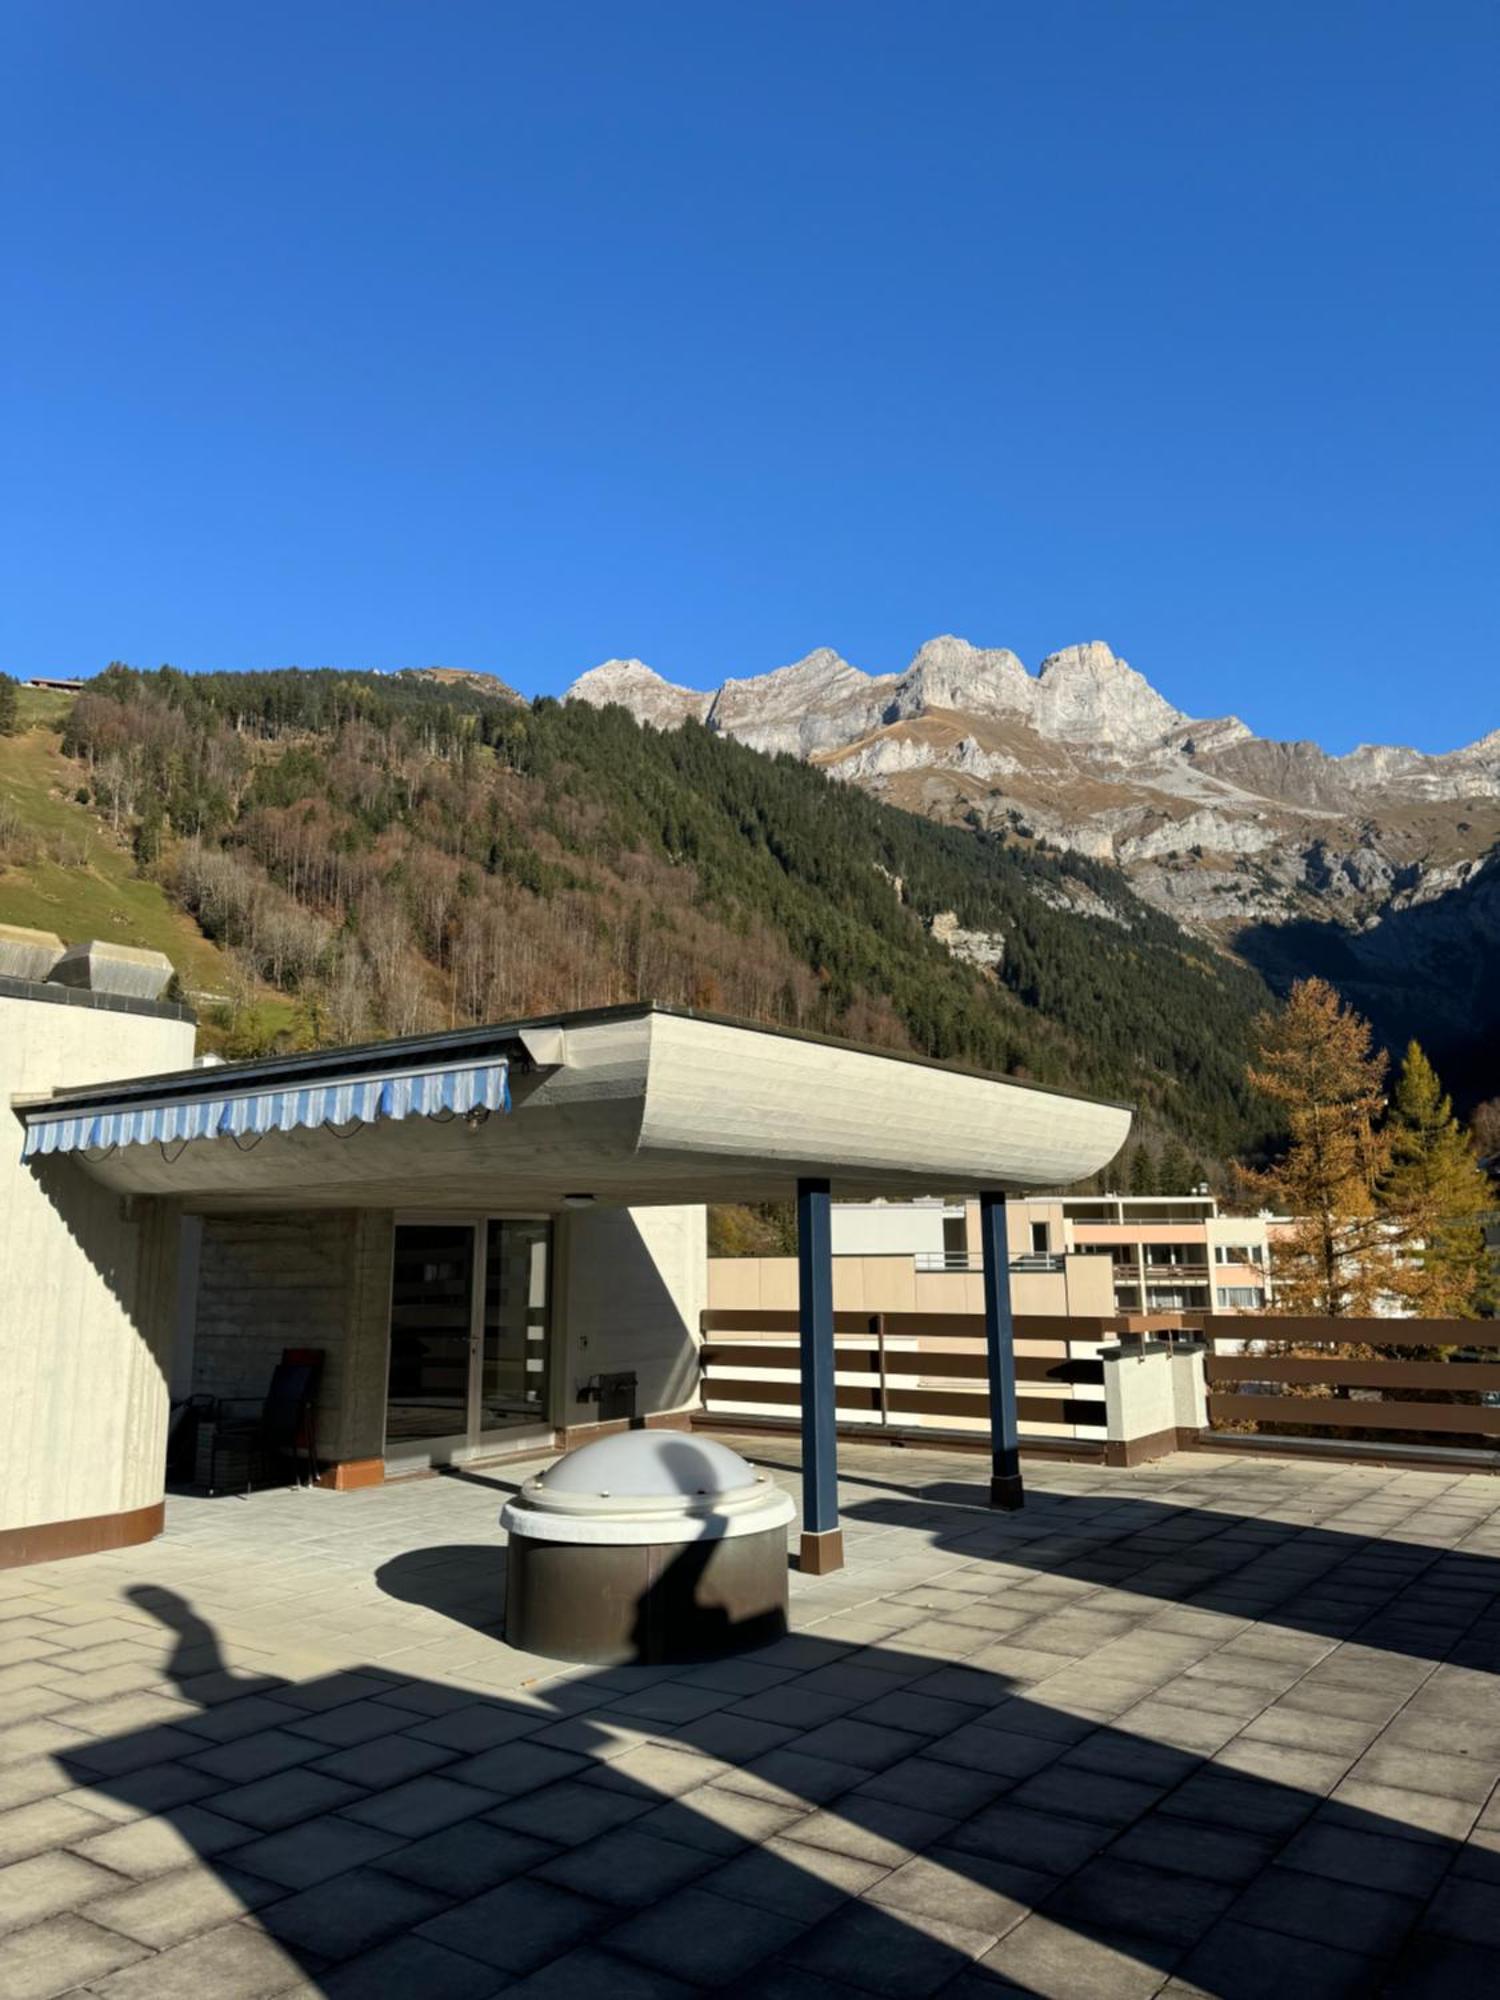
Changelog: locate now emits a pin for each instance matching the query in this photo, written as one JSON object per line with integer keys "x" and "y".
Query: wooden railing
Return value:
{"x": 1363, "y": 1393}
{"x": 899, "y": 1372}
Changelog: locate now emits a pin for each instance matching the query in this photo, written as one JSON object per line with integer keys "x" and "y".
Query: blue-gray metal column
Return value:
{"x": 1000, "y": 1346}
{"x": 822, "y": 1538}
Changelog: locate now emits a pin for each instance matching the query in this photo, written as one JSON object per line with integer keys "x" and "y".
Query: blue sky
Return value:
{"x": 518, "y": 337}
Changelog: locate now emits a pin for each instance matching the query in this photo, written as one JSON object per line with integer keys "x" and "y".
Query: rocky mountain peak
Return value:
{"x": 975, "y": 680}
{"x": 632, "y": 684}
{"x": 1085, "y": 694}
{"x": 813, "y": 704}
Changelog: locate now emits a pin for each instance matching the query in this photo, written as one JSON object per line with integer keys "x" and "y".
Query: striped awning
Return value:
{"x": 238, "y": 1114}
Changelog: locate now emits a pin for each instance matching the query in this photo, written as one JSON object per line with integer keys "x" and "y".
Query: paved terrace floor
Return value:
{"x": 1208, "y": 1727}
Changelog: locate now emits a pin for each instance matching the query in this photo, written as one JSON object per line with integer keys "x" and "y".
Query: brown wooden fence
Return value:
{"x": 1457, "y": 1400}
{"x": 926, "y": 1372}
{"x": 906, "y": 1372}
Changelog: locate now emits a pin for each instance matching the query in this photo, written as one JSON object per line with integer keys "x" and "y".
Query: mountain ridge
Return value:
{"x": 1212, "y": 823}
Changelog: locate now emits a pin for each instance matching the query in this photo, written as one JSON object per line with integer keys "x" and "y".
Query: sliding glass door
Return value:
{"x": 469, "y": 1335}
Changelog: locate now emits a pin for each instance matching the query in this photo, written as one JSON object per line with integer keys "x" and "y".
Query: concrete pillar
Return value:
{"x": 1140, "y": 1405}
{"x": 1006, "y": 1489}
{"x": 822, "y": 1538}
{"x": 1190, "y": 1388}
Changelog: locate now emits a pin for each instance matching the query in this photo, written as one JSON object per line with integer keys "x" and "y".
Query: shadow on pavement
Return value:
{"x": 822, "y": 1816}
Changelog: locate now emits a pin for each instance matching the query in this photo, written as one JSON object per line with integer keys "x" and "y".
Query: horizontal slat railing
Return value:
{"x": 1481, "y": 1375}
{"x": 1457, "y": 1400}
{"x": 1384, "y": 1415}
{"x": 1359, "y": 1332}
{"x": 909, "y": 1371}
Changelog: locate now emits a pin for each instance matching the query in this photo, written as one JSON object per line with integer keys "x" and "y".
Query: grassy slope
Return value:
{"x": 82, "y": 885}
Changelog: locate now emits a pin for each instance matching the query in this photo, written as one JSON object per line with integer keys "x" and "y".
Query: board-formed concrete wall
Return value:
{"x": 305, "y": 1278}
{"x": 87, "y": 1296}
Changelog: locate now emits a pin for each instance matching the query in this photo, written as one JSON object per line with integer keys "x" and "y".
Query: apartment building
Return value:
{"x": 1167, "y": 1253}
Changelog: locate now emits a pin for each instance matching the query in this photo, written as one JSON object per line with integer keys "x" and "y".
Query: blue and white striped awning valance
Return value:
{"x": 235, "y": 1114}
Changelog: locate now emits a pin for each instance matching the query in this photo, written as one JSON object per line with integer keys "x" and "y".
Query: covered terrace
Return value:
{"x": 467, "y": 1225}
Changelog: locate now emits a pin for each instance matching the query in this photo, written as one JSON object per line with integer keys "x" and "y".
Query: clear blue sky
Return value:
{"x": 515, "y": 337}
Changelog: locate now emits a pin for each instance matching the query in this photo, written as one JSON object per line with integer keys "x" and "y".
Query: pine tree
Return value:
{"x": 1316, "y": 1061}
{"x": 1176, "y": 1172}
{"x": 10, "y": 718}
{"x": 1143, "y": 1171}
{"x": 1435, "y": 1194}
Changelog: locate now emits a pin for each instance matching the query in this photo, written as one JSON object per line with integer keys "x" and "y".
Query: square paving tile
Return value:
{"x": 284, "y": 1799}
{"x": 351, "y": 1913}
{"x": 519, "y": 1926}
{"x": 890, "y": 1952}
{"x": 313, "y": 1850}
{"x": 627, "y": 1867}
{"x": 421, "y": 1805}
{"x": 170, "y": 1908}
{"x": 57, "y": 1956}
{"x": 409, "y": 1968}
{"x": 703, "y": 1938}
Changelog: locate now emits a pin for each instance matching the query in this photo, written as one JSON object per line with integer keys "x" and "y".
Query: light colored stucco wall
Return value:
{"x": 888, "y": 1228}
{"x": 633, "y": 1284}
{"x": 1083, "y": 1287}
{"x": 87, "y": 1283}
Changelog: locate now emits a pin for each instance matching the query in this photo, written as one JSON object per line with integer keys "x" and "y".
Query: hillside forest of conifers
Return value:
{"x": 399, "y": 853}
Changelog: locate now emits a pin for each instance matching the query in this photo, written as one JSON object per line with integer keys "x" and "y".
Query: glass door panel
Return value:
{"x": 432, "y": 1303}
{"x": 513, "y": 1352}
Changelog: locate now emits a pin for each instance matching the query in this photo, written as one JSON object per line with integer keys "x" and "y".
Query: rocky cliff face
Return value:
{"x": 1219, "y": 827}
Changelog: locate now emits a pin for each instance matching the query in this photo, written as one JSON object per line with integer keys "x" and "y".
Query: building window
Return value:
{"x": 1039, "y": 1244}
{"x": 1243, "y": 1296}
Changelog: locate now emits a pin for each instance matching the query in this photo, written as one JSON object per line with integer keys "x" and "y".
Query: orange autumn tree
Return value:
{"x": 1316, "y": 1060}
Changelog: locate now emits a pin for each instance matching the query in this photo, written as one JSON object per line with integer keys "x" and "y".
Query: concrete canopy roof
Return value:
{"x": 635, "y": 1106}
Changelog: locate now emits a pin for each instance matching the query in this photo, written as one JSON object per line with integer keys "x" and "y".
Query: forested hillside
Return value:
{"x": 398, "y": 853}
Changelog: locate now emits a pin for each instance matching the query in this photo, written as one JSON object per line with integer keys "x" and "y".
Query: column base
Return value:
{"x": 822, "y": 1553}
{"x": 1007, "y": 1492}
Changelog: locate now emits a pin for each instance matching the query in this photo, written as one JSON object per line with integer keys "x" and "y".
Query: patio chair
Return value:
{"x": 284, "y": 1425}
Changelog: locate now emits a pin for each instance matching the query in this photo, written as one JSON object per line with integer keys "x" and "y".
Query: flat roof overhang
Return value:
{"x": 637, "y": 1106}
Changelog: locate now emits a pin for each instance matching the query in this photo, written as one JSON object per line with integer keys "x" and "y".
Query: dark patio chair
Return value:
{"x": 283, "y": 1426}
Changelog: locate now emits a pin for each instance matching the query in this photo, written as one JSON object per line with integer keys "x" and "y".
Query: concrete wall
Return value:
{"x": 631, "y": 1285}
{"x": 87, "y": 1290}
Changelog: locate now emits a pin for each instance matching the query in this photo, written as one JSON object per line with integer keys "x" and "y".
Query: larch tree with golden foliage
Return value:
{"x": 1435, "y": 1196}
{"x": 1316, "y": 1060}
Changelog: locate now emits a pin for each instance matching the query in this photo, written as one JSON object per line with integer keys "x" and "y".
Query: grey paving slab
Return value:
{"x": 351, "y": 1913}
{"x": 409, "y": 1968}
{"x": 1238, "y": 1961}
{"x": 418, "y": 1805}
{"x": 520, "y": 1926}
{"x": 173, "y": 1907}
{"x": 718, "y": 1820}
{"x": 234, "y": 1962}
{"x": 627, "y": 1866}
{"x": 155, "y": 1844}
{"x": 590, "y": 1974}
{"x": 44, "y": 1885}
{"x": 56, "y": 1957}
{"x": 389, "y": 1760}
{"x": 1174, "y": 1675}
{"x": 703, "y": 1938}
{"x": 312, "y": 1850}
